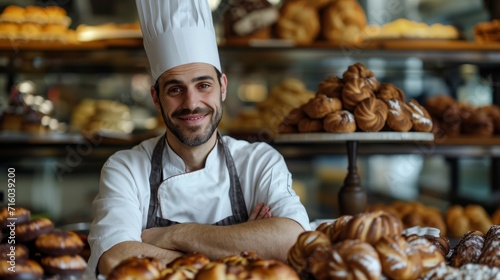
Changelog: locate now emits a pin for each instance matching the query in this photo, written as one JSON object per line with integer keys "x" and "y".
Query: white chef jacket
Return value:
{"x": 121, "y": 206}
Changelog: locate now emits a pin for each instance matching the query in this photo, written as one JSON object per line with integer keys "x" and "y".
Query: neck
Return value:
{"x": 194, "y": 157}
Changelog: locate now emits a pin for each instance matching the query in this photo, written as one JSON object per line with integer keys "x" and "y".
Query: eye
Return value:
{"x": 174, "y": 91}
{"x": 204, "y": 86}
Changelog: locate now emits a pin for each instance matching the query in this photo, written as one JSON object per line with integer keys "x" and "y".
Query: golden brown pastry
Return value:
{"x": 195, "y": 260}
{"x": 493, "y": 111}
{"x": 136, "y": 268}
{"x": 339, "y": 122}
{"x": 218, "y": 270}
{"x": 307, "y": 125}
{"x": 65, "y": 266}
{"x": 438, "y": 105}
{"x": 479, "y": 124}
{"x": 495, "y": 217}
{"x": 321, "y": 105}
{"x": 182, "y": 273}
{"x": 58, "y": 243}
{"x": 304, "y": 247}
{"x": 430, "y": 255}
{"x": 360, "y": 71}
{"x": 29, "y": 269}
{"x": 398, "y": 118}
{"x": 331, "y": 87}
{"x": 298, "y": 22}
{"x": 20, "y": 252}
{"x": 398, "y": 258}
{"x": 325, "y": 228}
{"x": 491, "y": 248}
{"x": 35, "y": 14}
{"x": 20, "y": 214}
{"x": 349, "y": 259}
{"x": 343, "y": 21}
{"x": 272, "y": 270}
{"x": 371, "y": 114}
{"x": 337, "y": 227}
{"x": 479, "y": 219}
{"x": 355, "y": 91}
{"x": 13, "y": 13}
{"x": 31, "y": 230}
{"x": 468, "y": 249}
{"x": 389, "y": 91}
{"x": 422, "y": 121}
{"x": 294, "y": 117}
{"x": 371, "y": 226}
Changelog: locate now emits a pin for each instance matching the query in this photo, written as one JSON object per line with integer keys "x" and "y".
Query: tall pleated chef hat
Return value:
{"x": 177, "y": 32}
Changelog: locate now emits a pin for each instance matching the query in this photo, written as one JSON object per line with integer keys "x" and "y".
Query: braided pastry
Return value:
{"x": 304, "y": 247}
{"x": 421, "y": 119}
{"x": 355, "y": 91}
{"x": 398, "y": 118}
{"x": 337, "y": 227}
{"x": 339, "y": 122}
{"x": 389, "y": 91}
{"x": 331, "y": 87}
{"x": 431, "y": 256}
{"x": 349, "y": 259}
{"x": 298, "y": 22}
{"x": 371, "y": 226}
{"x": 325, "y": 228}
{"x": 399, "y": 259}
{"x": 321, "y": 105}
{"x": 371, "y": 114}
{"x": 468, "y": 249}
{"x": 360, "y": 71}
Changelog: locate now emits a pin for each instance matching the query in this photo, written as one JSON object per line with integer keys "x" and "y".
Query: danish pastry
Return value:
{"x": 371, "y": 114}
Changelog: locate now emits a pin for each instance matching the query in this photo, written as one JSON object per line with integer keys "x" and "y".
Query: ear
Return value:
{"x": 223, "y": 86}
{"x": 154, "y": 95}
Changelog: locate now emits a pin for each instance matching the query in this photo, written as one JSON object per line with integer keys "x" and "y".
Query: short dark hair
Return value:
{"x": 156, "y": 86}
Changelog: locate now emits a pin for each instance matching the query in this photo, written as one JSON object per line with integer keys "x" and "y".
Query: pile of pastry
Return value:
{"x": 199, "y": 267}
{"x": 35, "y": 23}
{"x": 453, "y": 118}
{"x": 32, "y": 248}
{"x": 301, "y": 21}
{"x": 357, "y": 102}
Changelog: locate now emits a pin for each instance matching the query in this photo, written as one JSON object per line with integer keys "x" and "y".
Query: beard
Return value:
{"x": 194, "y": 135}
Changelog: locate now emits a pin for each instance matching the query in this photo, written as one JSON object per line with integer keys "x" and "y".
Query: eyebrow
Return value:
{"x": 195, "y": 79}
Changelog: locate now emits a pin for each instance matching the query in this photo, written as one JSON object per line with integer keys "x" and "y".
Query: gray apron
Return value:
{"x": 238, "y": 206}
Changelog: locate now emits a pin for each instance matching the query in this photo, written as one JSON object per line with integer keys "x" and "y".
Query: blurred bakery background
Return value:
{"x": 75, "y": 90}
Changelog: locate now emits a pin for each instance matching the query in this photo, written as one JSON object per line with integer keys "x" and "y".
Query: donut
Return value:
{"x": 59, "y": 242}
{"x": 31, "y": 230}
{"x": 339, "y": 122}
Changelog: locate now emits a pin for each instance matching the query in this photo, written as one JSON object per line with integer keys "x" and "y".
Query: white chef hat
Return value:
{"x": 177, "y": 32}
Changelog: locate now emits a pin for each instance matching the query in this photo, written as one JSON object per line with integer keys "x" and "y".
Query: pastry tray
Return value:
{"x": 386, "y": 136}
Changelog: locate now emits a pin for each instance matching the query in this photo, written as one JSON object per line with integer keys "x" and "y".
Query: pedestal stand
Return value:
{"x": 352, "y": 196}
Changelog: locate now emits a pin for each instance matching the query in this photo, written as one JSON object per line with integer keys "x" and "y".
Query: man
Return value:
{"x": 191, "y": 189}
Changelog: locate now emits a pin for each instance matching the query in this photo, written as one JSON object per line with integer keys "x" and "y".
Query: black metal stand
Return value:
{"x": 352, "y": 196}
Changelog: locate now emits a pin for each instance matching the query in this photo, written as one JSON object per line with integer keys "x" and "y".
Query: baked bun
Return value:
{"x": 67, "y": 265}
{"x": 389, "y": 91}
{"x": 422, "y": 121}
{"x": 20, "y": 214}
{"x": 398, "y": 118}
{"x": 371, "y": 114}
{"x": 398, "y": 258}
{"x": 479, "y": 219}
{"x": 355, "y": 91}
{"x": 430, "y": 255}
{"x": 468, "y": 249}
{"x": 321, "y": 105}
{"x": 249, "y": 19}
{"x": 307, "y": 125}
{"x": 491, "y": 248}
{"x": 331, "y": 87}
{"x": 218, "y": 270}
{"x": 457, "y": 222}
{"x": 304, "y": 247}
{"x": 349, "y": 259}
{"x": 12, "y": 13}
{"x": 58, "y": 243}
{"x": 479, "y": 124}
{"x": 298, "y": 22}
{"x": 337, "y": 227}
{"x": 294, "y": 117}
{"x": 182, "y": 273}
{"x": 29, "y": 269}
{"x": 371, "y": 226}
{"x": 271, "y": 270}
{"x": 196, "y": 260}
{"x": 438, "y": 105}
{"x": 136, "y": 268}
{"x": 343, "y": 21}
{"x": 31, "y": 230}
{"x": 339, "y": 122}
{"x": 359, "y": 71}
{"x": 21, "y": 252}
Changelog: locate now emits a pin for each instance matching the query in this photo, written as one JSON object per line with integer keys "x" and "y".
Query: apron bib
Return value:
{"x": 238, "y": 206}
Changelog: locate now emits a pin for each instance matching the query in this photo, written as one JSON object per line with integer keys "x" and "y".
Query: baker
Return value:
{"x": 191, "y": 189}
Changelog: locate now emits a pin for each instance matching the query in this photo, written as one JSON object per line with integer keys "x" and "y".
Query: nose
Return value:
{"x": 191, "y": 99}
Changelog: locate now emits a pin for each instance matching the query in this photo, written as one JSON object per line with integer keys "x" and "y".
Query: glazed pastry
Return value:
{"x": 58, "y": 243}
{"x": 31, "y": 230}
{"x": 389, "y": 91}
{"x": 321, "y": 105}
{"x": 398, "y": 258}
{"x": 339, "y": 122}
{"x": 298, "y": 22}
{"x": 338, "y": 226}
{"x": 21, "y": 252}
{"x": 371, "y": 114}
{"x": 355, "y": 91}
{"x": 422, "y": 121}
{"x": 491, "y": 248}
{"x": 195, "y": 260}
{"x": 343, "y": 21}
{"x": 349, "y": 259}
{"x": 307, "y": 125}
{"x": 29, "y": 269}
{"x": 304, "y": 247}
{"x": 138, "y": 267}
{"x": 430, "y": 255}
{"x": 67, "y": 265}
{"x": 398, "y": 118}
{"x": 371, "y": 226}
{"x": 218, "y": 270}
{"x": 468, "y": 249}
{"x": 360, "y": 71}
{"x": 479, "y": 124}
{"x": 19, "y": 215}
{"x": 271, "y": 269}
{"x": 182, "y": 273}
{"x": 331, "y": 87}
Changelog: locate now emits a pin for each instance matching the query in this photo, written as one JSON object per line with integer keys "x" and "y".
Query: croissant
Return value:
{"x": 468, "y": 249}
{"x": 398, "y": 258}
{"x": 355, "y": 91}
{"x": 303, "y": 249}
{"x": 491, "y": 248}
{"x": 389, "y": 91}
{"x": 360, "y": 71}
{"x": 331, "y": 87}
{"x": 371, "y": 114}
{"x": 371, "y": 226}
{"x": 398, "y": 118}
{"x": 421, "y": 119}
{"x": 321, "y": 105}
{"x": 339, "y": 122}
{"x": 349, "y": 259}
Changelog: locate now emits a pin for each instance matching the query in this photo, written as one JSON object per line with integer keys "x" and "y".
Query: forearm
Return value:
{"x": 123, "y": 250}
{"x": 269, "y": 238}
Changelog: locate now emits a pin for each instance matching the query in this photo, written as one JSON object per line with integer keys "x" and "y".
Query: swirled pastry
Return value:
{"x": 304, "y": 247}
{"x": 307, "y": 125}
{"x": 398, "y": 118}
{"x": 337, "y": 227}
{"x": 331, "y": 87}
{"x": 430, "y": 254}
{"x": 399, "y": 259}
{"x": 360, "y": 71}
{"x": 371, "y": 114}
{"x": 339, "y": 122}
{"x": 421, "y": 119}
{"x": 321, "y": 105}
{"x": 355, "y": 91}
{"x": 371, "y": 226}
{"x": 389, "y": 91}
